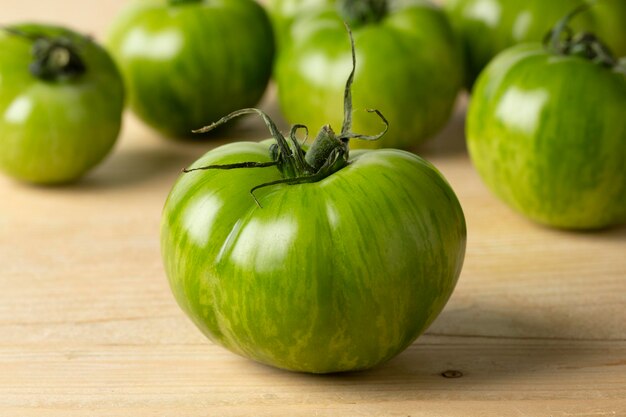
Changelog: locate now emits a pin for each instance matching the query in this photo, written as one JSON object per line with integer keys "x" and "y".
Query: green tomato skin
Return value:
{"x": 55, "y": 131}
{"x": 187, "y": 65}
{"x": 487, "y": 27}
{"x": 408, "y": 66}
{"x": 338, "y": 275}
{"x": 284, "y": 12}
{"x": 548, "y": 135}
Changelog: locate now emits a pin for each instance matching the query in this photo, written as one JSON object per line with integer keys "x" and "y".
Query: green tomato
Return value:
{"x": 284, "y": 12}
{"x": 61, "y": 102}
{"x": 547, "y": 133}
{"x": 337, "y": 264}
{"x": 188, "y": 62}
{"x": 409, "y": 68}
{"x": 336, "y": 275}
{"x": 487, "y": 27}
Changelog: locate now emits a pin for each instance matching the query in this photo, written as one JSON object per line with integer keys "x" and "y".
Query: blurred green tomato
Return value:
{"x": 409, "y": 67}
{"x": 188, "y": 62}
{"x": 61, "y": 102}
{"x": 547, "y": 133}
{"x": 487, "y": 27}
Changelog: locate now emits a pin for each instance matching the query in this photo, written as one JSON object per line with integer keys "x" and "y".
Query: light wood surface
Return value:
{"x": 88, "y": 327}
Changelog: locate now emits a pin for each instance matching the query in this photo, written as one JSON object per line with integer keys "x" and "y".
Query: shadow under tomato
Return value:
{"x": 606, "y": 234}
{"x": 464, "y": 364}
{"x": 471, "y": 357}
{"x": 128, "y": 168}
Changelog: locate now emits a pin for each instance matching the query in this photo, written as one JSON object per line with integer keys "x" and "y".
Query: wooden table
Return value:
{"x": 88, "y": 327}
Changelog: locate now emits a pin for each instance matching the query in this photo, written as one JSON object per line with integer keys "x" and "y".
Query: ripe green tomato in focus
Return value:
{"x": 336, "y": 275}
{"x": 547, "y": 133}
{"x": 336, "y": 262}
{"x": 188, "y": 62}
{"x": 487, "y": 27}
{"x": 409, "y": 65}
{"x": 60, "y": 111}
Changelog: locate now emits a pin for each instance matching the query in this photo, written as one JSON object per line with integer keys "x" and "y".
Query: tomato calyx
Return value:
{"x": 561, "y": 40}
{"x": 55, "y": 58}
{"x": 327, "y": 154}
{"x": 360, "y": 12}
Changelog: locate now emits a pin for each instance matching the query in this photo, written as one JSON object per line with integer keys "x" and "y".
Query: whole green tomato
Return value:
{"x": 187, "y": 62}
{"x": 61, "y": 102}
{"x": 487, "y": 27}
{"x": 338, "y": 262}
{"x": 409, "y": 64}
{"x": 546, "y": 130}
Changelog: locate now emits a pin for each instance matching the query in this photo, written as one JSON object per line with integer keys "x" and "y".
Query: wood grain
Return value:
{"x": 88, "y": 326}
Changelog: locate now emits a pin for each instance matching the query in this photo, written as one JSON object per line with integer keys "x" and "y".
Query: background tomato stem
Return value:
{"x": 360, "y": 12}
{"x": 562, "y": 41}
{"x": 55, "y": 58}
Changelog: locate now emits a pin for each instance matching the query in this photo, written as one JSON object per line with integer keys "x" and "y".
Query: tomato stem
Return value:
{"x": 328, "y": 154}
{"x": 234, "y": 166}
{"x": 55, "y": 58}
{"x": 361, "y": 12}
{"x": 562, "y": 41}
{"x": 289, "y": 159}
